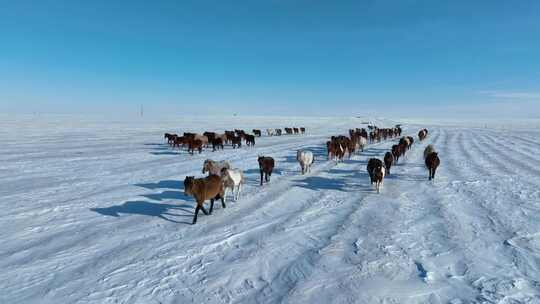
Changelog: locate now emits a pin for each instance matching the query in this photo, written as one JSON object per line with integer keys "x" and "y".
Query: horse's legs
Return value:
{"x": 211, "y": 205}
{"x": 196, "y": 213}
{"x": 204, "y": 209}
{"x": 238, "y": 191}
{"x": 223, "y": 202}
{"x": 261, "y": 177}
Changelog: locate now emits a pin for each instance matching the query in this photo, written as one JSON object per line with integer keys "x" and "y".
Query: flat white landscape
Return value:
{"x": 93, "y": 211}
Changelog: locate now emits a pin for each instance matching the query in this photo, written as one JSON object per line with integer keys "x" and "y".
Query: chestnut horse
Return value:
{"x": 203, "y": 189}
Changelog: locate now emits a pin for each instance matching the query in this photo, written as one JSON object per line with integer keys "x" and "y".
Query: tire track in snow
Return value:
{"x": 514, "y": 158}
{"x": 492, "y": 229}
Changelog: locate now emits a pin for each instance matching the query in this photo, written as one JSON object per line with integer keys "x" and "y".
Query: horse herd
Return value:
{"x": 222, "y": 178}
{"x": 194, "y": 141}
{"x": 378, "y": 169}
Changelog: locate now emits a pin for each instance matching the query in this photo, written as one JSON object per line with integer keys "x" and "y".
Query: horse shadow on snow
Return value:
{"x": 341, "y": 180}
{"x": 158, "y": 209}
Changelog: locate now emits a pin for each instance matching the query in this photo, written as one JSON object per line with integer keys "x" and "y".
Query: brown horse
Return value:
{"x": 266, "y": 166}
{"x": 203, "y": 189}
{"x": 303, "y": 130}
{"x": 336, "y": 149}
{"x": 257, "y": 132}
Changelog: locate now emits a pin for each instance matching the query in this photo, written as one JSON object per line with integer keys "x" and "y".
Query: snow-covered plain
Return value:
{"x": 95, "y": 212}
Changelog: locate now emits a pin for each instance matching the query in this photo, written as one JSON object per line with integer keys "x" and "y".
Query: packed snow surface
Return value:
{"x": 95, "y": 212}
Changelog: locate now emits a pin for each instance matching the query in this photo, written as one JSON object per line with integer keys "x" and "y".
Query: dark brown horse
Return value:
{"x": 432, "y": 163}
{"x": 250, "y": 140}
{"x": 195, "y": 144}
{"x": 240, "y": 133}
{"x": 189, "y": 135}
{"x": 230, "y": 135}
{"x": 266, "y": 166}
{"x": 257, "y": 132}
{"x": 170, "y": 138}
{"x": 180, "y": 141}
{"x": 236, "y": 142}
{"x": 217, "y": 143}
{"x": 388, "y": 161}
{"x": 376, "y": 172}
{"x": 211, "y": 136}
{"x": 396, "y": 152}
{"x": 411, "y": 142}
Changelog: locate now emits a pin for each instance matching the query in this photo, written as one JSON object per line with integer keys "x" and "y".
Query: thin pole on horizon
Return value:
{"x": 142, "y": 111}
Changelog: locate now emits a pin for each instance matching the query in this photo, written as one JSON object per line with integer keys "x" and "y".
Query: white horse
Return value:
{"x": 362, "y": 142}
{"x": 305, "y": 158}
{"x": 232, "y": 178}
{"x": 214, "y": 167}
{"x": 270, "y": 132}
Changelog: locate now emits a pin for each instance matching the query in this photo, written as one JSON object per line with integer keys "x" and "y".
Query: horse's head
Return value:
{"x": 188, "y": 185}
{"x": 224, "y": 171}
{"x": 206, "y": 166}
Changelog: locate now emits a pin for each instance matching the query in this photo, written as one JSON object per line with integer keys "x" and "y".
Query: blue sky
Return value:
{"x": 395, "y": 58}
